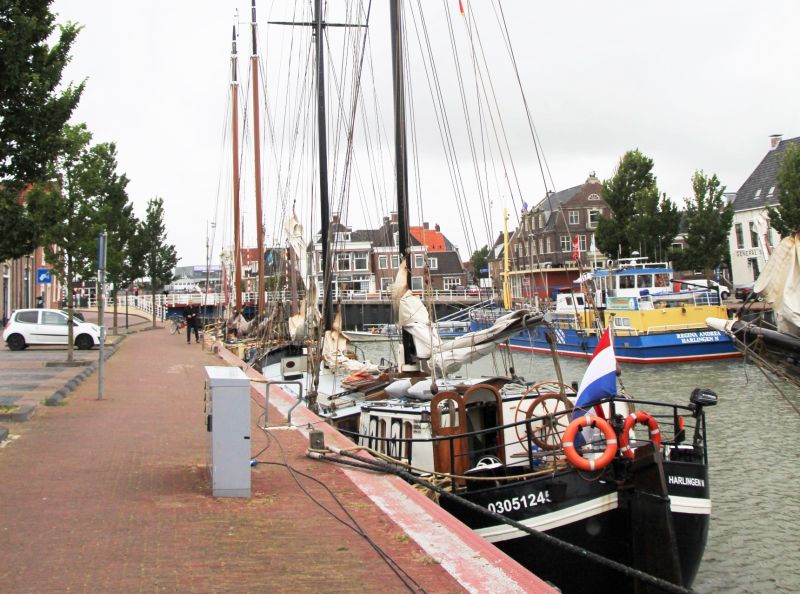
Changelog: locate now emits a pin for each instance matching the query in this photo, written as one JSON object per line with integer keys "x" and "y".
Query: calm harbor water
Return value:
{"x": 753, "y": 544}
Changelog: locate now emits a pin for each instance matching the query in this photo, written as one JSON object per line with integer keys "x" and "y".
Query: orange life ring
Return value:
{"x": 575, "y": 457}
{"x": 633, "y": 418}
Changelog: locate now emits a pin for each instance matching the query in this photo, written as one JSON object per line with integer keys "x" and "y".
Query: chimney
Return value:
{"x": 425, "y": 226}
{"x": 437, "y": 227}
{"x": 775, "y": 140}
{"x": 394, "y": 217}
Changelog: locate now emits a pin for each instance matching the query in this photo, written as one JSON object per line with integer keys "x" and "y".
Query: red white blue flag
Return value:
{"x": 600, "y": 379}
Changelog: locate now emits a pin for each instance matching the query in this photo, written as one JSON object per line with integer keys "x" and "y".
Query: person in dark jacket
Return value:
{"x": 190, "y": 313}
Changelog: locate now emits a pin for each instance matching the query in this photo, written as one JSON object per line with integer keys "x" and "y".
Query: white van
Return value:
{"x": 694, "y": 284}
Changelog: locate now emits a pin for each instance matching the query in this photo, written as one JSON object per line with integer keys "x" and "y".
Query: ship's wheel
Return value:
{"x": 551, "y": 410}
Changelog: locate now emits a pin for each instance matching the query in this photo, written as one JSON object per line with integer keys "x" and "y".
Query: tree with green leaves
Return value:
{"x": 158, "y": 256}
{"x": 643, "y": 221}
{"x": 786, "y": 217}
{"x": 67, "y": 213}
{"x": 115, "y": 217}
{"x": 480, "y": 261}
{"x": 708, "y": 219}
{"x": 33, "y": 111}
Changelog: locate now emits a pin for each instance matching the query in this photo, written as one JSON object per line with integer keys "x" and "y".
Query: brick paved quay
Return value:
{"x": 113, "y": 496}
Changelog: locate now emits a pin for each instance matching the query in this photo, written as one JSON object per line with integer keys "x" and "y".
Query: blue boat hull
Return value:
{"x": 665, "y": 347}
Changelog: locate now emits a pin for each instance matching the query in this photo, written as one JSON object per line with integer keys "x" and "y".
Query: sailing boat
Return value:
{"x": 524, "y": 470}
{"x": 775, "y": 349}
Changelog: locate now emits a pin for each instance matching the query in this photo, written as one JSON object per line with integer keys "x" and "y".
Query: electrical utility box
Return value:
{"x": 227, "y": 404}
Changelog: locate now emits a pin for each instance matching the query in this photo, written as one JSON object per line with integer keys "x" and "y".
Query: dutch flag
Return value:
{"x": 600, "y": 379}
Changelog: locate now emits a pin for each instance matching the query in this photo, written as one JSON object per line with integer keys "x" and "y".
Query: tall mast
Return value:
{"x": 322, "y": 141}
{"x": 257, "y": 150}
{"x": 401, "y": 162}
{"x": 237, "y": 240}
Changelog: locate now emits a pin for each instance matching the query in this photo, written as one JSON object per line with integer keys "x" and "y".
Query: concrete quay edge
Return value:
{"x": 475, "y": 563}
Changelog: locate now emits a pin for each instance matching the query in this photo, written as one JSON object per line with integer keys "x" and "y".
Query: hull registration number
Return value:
{"x": 520, "y": 502}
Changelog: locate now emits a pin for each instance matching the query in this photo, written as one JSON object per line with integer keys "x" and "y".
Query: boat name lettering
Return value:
{"x": 520, "y": 502}
{"x": 705, "y": 336}
{"x": 687, "y": 481}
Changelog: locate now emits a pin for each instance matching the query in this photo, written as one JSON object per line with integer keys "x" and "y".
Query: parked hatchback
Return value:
{"x": 47, "y": 326}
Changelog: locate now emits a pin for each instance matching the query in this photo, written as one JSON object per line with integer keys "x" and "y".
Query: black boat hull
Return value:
{"x": 600, "y": 517}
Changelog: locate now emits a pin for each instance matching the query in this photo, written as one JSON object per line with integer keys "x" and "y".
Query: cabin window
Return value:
{"x": 622, "y": 322}
{"x": 753, "y": 235}
{"x": 360, "y": 260}
{"x": 343, "y": 261}
{"x": 448, "y": 413}
{"x": 574, "y": 217}
{"x": 433, "y": 263}
{"x": 373, "y": 432}
{"x": 565, "y": 243}
{"x": 644, "y": 281}
{"x": 383, "y": 262}
{"x": 739, "y": 236}
{"x": 408, "y": 433}
{"x": 662, "y": 280}
{"x": 382, "y": 435}
{"x": 626, "y": 281}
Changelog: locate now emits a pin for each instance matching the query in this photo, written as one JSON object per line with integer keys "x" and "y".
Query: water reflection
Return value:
{"x": 753, "y": 543}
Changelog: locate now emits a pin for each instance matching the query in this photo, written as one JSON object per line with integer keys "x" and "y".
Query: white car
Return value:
{"x": 47, "y": 326}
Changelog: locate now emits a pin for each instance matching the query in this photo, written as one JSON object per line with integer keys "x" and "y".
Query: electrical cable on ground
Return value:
{"x": 374, "y": 465}
{"x": 408, "y": 581}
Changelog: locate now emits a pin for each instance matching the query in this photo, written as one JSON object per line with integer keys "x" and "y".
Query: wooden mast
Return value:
{"x": 401, "y": 161}
{"x": 237, "y": 240}
{"x": 257, "y": 151}
{"x": 322, "y": 142}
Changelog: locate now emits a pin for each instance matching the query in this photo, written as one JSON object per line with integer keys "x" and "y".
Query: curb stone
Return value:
{"x": 22, "y": 413}
{"x": 56, "y": 397}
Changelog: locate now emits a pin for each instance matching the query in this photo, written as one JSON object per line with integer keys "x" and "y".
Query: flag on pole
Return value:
{"x": 576, "y": 247}
{"x": 600, "y": 379}
{"x": 461, "y": 7}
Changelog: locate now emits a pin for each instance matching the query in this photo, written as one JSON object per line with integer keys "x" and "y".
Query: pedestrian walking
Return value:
{"x": 190, "y": 313}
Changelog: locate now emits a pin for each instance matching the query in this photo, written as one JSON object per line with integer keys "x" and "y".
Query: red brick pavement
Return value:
{"x": 113, "y": 496}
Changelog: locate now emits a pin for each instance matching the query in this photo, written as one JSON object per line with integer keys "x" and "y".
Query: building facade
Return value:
{"x": 541, "y": 251}
{"x": 366, "y": 261}
{"x": 751, "y": 238}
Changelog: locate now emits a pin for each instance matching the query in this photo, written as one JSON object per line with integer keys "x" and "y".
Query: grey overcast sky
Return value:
{"x": 692, "y": 84}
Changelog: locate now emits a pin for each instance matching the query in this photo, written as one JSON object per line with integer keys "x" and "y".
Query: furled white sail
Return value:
{"x": 448, "y": 356}
{"x": 779, "y": 284}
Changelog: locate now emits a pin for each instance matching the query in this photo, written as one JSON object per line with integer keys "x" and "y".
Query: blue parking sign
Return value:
{"x": 43, "y": 276}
